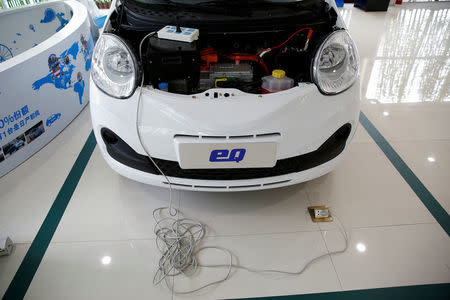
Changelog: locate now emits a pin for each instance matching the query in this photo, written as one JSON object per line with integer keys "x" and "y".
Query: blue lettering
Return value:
{"x": 225, "y": 155}
{"x": 237, "y": 155}
{"x": 219, "y": 155}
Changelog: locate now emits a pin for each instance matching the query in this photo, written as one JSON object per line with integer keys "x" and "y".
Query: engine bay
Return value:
{"x": 270, "y": 51}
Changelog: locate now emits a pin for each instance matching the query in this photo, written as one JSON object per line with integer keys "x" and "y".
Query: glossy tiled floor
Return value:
{"x": 394, "y": 240}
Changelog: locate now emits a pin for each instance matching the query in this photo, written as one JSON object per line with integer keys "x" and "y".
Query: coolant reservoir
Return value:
{"x": 276, "y": 82}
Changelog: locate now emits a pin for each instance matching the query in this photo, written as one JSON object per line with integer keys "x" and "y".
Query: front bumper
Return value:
{"x": 314, "y": 131}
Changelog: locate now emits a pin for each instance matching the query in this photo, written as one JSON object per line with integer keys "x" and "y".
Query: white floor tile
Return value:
{"x": 76, "y": 271}
{"x": 278, "y": 251}
{"x": 108, "y": 207}
{"x": 10, "y": 264}
{"x": 394, "y": 256}
{"x": 366, "y": 190}
{"x": 27, "y": 195}
{"x": 269, "y": 211}
{"x": 430, "y": 161}
{"x": 402, "y": 123}
{"x": 28, "y": 191}
{"x": 361, "y": 136}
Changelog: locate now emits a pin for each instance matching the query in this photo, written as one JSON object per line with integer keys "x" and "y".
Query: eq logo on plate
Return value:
{"x": 226, "y": 155}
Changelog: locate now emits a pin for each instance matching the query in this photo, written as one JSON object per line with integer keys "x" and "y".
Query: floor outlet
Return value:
{"x": 320, "y": 214}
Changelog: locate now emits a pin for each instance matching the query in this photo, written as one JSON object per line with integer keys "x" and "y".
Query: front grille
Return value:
{"x": 231, "y": 187}
{"x": 231, "y": 137}
{"x": 331, "y": 148}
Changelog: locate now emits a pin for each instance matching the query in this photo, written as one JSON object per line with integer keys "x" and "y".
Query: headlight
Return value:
{"x": 336, "y": 63}
{"x": 114, "y": 68}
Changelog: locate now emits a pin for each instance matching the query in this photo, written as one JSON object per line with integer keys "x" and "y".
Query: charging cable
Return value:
{"x": 172, "y": 211}
{"x": 178, "y": 237}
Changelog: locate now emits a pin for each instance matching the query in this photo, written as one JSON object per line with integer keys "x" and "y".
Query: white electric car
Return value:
{"x": 224, "y": 95}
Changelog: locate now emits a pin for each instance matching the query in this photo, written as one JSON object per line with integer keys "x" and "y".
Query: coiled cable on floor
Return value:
{"x": 177, "y": 240}
{"x": 178, "y": 237}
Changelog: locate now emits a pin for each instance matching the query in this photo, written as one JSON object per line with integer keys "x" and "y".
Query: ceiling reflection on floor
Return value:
{"x": 412, "y": 62}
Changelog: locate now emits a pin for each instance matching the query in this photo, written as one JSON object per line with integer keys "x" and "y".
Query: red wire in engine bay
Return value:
{"x": 261, "y": 53}
{"x": 209, "y": 55}
{"x": 237, "y": 57}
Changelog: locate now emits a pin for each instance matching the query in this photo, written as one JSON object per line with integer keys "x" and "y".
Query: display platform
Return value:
{"x": 45, "y": 59}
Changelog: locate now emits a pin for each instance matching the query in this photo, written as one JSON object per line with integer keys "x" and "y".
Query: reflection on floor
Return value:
{"x": 104, "y": 246}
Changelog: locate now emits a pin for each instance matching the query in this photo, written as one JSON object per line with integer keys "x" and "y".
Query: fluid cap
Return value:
{"x": 163, "y": 85}
{"x": 278, "y": 73}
